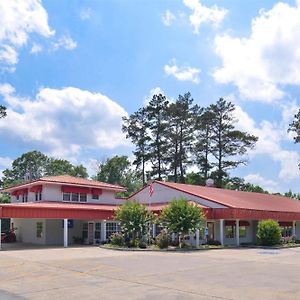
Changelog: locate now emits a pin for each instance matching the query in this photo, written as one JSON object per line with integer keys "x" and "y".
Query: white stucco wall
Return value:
{"x": 52, "y": 192}
{"x": 166, "y": 194}
{"x": 26, "y": 231}
{"x": 55, "y": 231}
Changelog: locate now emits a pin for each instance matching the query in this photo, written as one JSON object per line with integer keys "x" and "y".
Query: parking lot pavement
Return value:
{"x": 94, "y": 273}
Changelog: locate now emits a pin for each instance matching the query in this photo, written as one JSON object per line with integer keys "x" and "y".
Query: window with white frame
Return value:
{"x": 95, "y": 197}
{"x": 25, "y": 197}
{"x": 38, "y": 196}
{"x": 66, "y": 196}
{"x": 74, "y": 197}
{"x": 98, "y": 231}
{"x": 112, "y": 227}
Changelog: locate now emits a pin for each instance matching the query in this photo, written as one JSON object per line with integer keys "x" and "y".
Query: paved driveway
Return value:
{"x": 93, "y": 273}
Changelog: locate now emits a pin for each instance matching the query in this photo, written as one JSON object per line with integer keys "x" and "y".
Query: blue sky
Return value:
{"x": 69, "y": 70}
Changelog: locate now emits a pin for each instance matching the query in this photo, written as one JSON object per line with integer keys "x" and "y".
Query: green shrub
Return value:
{"x": 268, "y": 233}
{"x": 142, "y": 245}
{"x": 117, "y": 239}
{"x": 163, "y": 240}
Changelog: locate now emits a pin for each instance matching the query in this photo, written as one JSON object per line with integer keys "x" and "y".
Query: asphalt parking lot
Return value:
{"x": 93, "y": 273}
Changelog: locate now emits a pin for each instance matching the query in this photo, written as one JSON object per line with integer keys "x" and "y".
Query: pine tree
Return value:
{"x": 157, "y": 124}
{"x": 135, "y": 127}
{"x": 228, "y": 144}
{"x": 2, "y": 111}
{"x": 181, "y": 119}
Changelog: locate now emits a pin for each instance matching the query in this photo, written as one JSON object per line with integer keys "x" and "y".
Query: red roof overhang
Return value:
{"x": 251, "y": 214}
{"x": 57, "y": 210}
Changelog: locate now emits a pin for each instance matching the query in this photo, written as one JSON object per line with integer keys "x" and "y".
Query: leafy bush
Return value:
{"x": 163, "y": 240}
{"x": 142, "y": 245}
{"x": 134, "y": 218}
{"x": 213, "y": 243}
{"x": 182, "y": 217}
{"x": 117, "y": 239}
{"x": 268, "y": 233}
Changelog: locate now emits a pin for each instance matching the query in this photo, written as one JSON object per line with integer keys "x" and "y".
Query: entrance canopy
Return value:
{"x": 57, "y": 210}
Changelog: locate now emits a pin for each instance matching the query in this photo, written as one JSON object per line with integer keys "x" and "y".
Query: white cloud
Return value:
{"x": 85, "y": 14}
{"x": 271, "y": 137}
{"x": 36, "y": 48}
{"x": 65, "y": 42}
{"x": 63, "y": 122}
{"x": 263, "y": 63}
{"x": 267, "y": 184}
{"x": 203, "y": 14}
{"x": 168, "y": 18}
{"x": 18, "y": 19}
{"x": 182, "y": 73}
{"x": 5, "y": 162}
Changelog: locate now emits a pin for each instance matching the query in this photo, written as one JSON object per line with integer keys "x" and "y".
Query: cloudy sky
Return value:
{"x": 69, "y": 70}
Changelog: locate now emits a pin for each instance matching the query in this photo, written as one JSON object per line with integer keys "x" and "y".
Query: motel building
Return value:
{"x": 62, "y": 210}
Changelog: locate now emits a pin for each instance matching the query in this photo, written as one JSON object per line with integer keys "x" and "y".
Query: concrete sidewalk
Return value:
{"x": 94, "y": 273}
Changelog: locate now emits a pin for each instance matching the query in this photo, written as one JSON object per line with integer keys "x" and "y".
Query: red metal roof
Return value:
{"x": 57, "y": 210}
{"x": 70, "y": 180}
{"x": 238, "y": 199}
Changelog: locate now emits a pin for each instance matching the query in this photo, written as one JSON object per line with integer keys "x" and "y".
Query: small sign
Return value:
{"x": 70, "y": 223}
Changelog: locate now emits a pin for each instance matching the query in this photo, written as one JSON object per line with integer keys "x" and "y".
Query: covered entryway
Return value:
{"x": 47, "y": 223}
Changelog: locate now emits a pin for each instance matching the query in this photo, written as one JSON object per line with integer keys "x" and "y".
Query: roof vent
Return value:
{"x": 210, "y": 182}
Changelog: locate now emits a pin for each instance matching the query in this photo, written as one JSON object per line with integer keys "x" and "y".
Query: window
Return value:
{"x": 38, "y": 196}
{"x": 85, "y": 230}
{"x": 66, "y": 196}
{"x": 286, "y": 231}
{"x": 229, "y": 231}
{"x": 95, "y": 197}
{"x": 18, "y": 198}
{"x": 39, "y": 229}
{"x": 75, "y": 197}
{"x": 25, "y": 198}
{"x": 112, "y": 227}
{"x": 83, "y": 197}
{"x": 243, "y": 231}
{"x": 97, "y": 231}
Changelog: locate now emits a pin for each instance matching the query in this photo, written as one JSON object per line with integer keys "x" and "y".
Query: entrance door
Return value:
{"x": 91, "y": 233}
{"x": 211, "y": 230}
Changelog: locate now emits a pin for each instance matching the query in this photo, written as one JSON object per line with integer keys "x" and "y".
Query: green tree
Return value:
{"x": 239, "y": 184}
{"x": 228, "y": 144}
{"x": 117, "y": 170}
{"x": 30, "y": 165}
{"x": 181, "y": 120}
{"x": 157, "y": 124}
{"x": 2, "y": 111}
{"x": 182, "y": 217}
{"x": 268, "y": 233}
{"x": 203, "y": 147}
{"x": 135, "y": 127}
{"x": 295, "y": 127}
{"x": 134, "y": 218}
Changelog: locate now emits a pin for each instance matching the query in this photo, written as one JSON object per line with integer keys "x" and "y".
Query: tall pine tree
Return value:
{"x": 135, "y": 127}
{"x": 157, "y": 124}
{"x": 181, "y": 119}
{"x": 228, "y": 144}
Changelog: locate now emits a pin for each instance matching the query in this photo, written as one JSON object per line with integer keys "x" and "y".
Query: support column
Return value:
{"x": 197, "y": 238}
{"x": 103, "y": 231}
{"x": 237, "y": 231}
{"x": 294, "y": 228}
{"x": 222, "y": 232}
{"x": 65, "y": 233}
{"x": 153, "y": 230}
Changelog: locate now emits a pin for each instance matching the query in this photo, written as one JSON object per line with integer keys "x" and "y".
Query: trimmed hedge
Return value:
{"x": 268, "y": 233}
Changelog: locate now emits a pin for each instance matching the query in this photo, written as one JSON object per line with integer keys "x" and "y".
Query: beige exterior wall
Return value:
{"x": 27, "y": 231}
{"x": 52, "y": 192}
{"x": 166, "y": 194}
